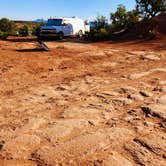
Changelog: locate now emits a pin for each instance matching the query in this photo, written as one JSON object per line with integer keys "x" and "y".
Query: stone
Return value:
{"x": 21, "y": 146}
{"x": 163, "y": 89}
{"x": 162, "y": 83}
{"x": 141, "y": 155}
{"x": 122, "y": 101}
{"x": 157, "y": 110}
{"x": 162, "y": 100}
{"x": 146, "y": 94}
{"x": 17, "y": 163}
{"x": 145, "y": 85}
{"x": 136, "y": 97}
{"x": 77, "y": 112}
{"x": 73, "y": 149}
{"x": 116, "y": 159}
{"x": 128, "y": 89}
{"x": 143, "y": 74}
{"x": 33, "y": 124}
{"x": 138, "y": 75}
{"x": 155, "y": 142}
{"x": 152, "y": 57}
{"x": 108, "y": 93}
{"x": 61, "y": 129}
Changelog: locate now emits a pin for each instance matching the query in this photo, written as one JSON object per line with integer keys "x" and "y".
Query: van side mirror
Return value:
{"x": 64, "y": 24}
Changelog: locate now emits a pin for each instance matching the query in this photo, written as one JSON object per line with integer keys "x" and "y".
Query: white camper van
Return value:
{"x": 63, "y": 26}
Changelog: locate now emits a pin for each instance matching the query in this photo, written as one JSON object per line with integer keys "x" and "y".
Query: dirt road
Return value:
{"x": 86, "y": 104}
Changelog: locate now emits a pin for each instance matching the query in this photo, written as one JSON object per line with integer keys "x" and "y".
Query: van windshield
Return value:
{"x": 54, "y": 22}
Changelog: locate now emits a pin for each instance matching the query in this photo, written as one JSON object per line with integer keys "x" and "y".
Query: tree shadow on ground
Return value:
{"x": 22, "y": 39}
{"x": 32, "y": 50}
{"x": 34, "y": 39}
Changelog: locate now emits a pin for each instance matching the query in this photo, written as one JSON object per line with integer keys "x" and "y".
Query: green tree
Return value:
{"x": 6, "y": 25}
{"x": 101, "y": 21}
{"x": 151, "y": 8}
{"x": 132, "y": 18}
{"x": 123, "y": 19}
{"x": 119, "y": 18}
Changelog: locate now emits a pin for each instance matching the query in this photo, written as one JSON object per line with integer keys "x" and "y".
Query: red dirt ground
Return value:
{"x": 83, "y": 103}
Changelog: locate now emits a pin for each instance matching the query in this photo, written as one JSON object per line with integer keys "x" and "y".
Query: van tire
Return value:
{"x": 61, "y": 35}
{"x": 80, "y": 34}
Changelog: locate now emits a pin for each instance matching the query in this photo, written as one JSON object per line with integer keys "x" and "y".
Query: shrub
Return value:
{"x": 6, "y": 25}
{"x": 4, "y": 35}
{"x": 122, "y": 20}
{"x": 24, "y": 31}
{"x": 29, "y": 29}
{"x": 99, "y": 34}
{"x": 101, "y": 22}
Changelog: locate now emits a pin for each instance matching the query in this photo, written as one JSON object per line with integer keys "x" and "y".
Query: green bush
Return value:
{"x": 123, "y": 19}
{"x": 99, "y": 34}
{"x": 24, "y": 31}
{"x": 4, "y": 35}
{"x": 28, "y": 30}
{"x": 6, "y": 25}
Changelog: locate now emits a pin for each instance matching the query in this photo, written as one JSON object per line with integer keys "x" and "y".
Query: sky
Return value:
{"x": 36, "y": 9}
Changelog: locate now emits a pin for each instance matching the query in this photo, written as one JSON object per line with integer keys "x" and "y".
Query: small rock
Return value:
{"x": 148, "y": 124}
{"x": 109, "y": 93}
{"x": 21, "y": 146}
{"x": 115, "y": 119}
{"x": 160, "y": 88}
{"x": 91, "y": 123}
{"x": 50, "y": 69}
{"x": 150, "y": 57}
{"x": 123, "y": 101}
{"x": 163, "y": 89}
{"x": 132, "y": 112}
{"x": 139, "y": 129}
{"x": 128, "y": 89}
{"x": 116, "y": 159}
{"x": 138, "y": 75}
{"x": 136, "y": 97}
{"x": 162, "y": 83}
{"x": 162, "y": 100}
{"x": 17, "y": 163}
{"x": 146, "y": 94}
{"x": 156, "y": 110}
{"x": 143, "y": 84}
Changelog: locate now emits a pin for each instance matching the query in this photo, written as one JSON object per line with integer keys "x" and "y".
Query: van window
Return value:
{"x": 54, "y": 22}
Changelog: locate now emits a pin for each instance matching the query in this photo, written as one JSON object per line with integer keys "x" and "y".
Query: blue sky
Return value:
{"x": 34, "y": 9}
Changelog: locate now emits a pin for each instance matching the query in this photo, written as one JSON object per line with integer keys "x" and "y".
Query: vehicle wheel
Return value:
{"x": 61, "y": 35}
{"x": 80, "y": 33}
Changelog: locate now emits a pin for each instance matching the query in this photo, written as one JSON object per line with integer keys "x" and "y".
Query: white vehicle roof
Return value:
{"x": 66, "y": 18}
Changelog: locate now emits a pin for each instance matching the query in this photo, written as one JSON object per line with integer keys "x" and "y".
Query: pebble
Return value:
{"x": 146, "y": 94}
{"x": 136, "y": 97}
{"x": 162, "y": 100}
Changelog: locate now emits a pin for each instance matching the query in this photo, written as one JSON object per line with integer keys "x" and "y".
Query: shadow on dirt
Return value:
{"x": 34, "y": 39}
{"x": 24, "y": 39}
{"x": 32, "y": 50}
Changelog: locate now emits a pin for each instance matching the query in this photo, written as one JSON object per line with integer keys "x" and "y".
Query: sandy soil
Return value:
{"x": 100, "y": 104}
